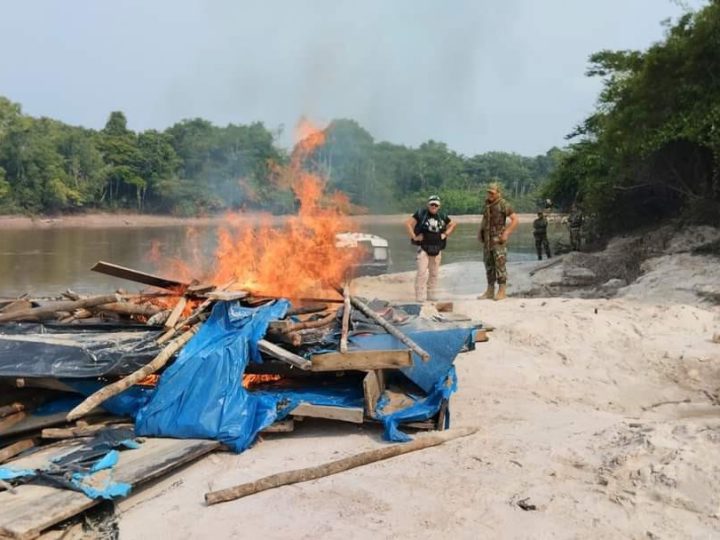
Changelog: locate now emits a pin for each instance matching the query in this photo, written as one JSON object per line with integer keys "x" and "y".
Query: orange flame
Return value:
{"x": 297, "y": 258}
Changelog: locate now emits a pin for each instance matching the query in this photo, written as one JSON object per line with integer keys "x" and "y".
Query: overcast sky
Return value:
{"x": 478, "y": 74}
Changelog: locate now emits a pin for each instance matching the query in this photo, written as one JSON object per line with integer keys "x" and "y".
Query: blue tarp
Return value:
{"x": 201, "y": 394}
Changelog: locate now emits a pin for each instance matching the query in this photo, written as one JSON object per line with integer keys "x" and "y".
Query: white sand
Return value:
{"x": 567, "y": 395}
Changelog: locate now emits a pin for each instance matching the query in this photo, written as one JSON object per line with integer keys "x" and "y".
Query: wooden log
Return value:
{"x": 12, "y": 408}
{"x": 129, "y": 308}
{"x": 115, "y": 388}
{"x": 325, "y": 321}
{"x": 281, "y": 354}
{"x": 71, "y": 295}
{"x": 337, "y": 466}
{"x": 345, "y": 328}
{"x": 137, "y": 276}
{"x": 50, "y": 310}
{"x": 18, "y": 305}
{"x": 329, "y": 412}
{"x": 306, "y": 309}
{"x": 289, "y": 338}
{"x": 15, "y": 448}
{"x": 10, "y": 420}
{"x": 176, "y": 313}
{"x": 159, "y": 318}
{"x": 361, "y": 360}
{"x": 373, "y": 387}
{"x": 389, "y": 328}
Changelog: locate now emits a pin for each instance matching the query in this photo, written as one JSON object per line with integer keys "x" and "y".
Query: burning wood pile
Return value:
{"x": 194, "y": 364}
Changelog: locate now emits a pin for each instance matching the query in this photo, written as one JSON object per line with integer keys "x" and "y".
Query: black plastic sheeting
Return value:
{"x": 74, "y": 352}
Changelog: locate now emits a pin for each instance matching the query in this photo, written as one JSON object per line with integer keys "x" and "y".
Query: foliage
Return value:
{"x": 651, "y": 150}
{"x": 196, "y": 167}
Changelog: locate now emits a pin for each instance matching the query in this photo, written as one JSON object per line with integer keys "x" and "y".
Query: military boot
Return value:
{"x": 501, "y": 293}
{"x": 489, "y": 293}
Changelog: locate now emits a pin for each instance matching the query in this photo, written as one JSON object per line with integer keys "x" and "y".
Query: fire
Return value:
{"x": 250, "y": 379}
{"x": 296, "y": 258}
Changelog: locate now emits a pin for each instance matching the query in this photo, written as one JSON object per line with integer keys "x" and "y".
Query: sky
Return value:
{"x": 479, "y": 75}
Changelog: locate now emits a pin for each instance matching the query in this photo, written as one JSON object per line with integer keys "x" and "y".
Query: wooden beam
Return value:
{"x": 137, "y": 276}
{"x": 345, "y": 329}
{"x": 373, "y": 387}
{"x": 176, "y": 313}
{"x": 51, "y": 310}
{"x": 281, "y": 354}
{"x": 15, "y": 448}
{"x": 344, "y": 414}
{"x": 226, "y": 296}
{"x": 361, "y": 360}
{"x": 389, "y": 328}
{"x": 326, "y": 469}
{"x": 10, "y": 420}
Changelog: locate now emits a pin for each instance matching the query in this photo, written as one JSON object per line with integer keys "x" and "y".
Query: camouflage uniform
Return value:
{"x": 541, "y": 240}
{"x": 494, "y": 250}
{"x": 575, "y": 221}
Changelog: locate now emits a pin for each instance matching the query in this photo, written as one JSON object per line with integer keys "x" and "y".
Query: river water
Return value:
{"x": 46, "y": 261}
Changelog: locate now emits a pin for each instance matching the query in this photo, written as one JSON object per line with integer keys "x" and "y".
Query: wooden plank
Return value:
{"x": 344, "y": 414}
{"x": 137, "y": 276}
{"x": 373, "y": 387}
{"x": 9, "y": 421}
{"x": 227, "y": 296}
{"x": 481, "y": 336}
{"x": 32, "y": 509}
{"x": 281, "y": 354}
{"x": 176, "y": 312}
{"x": 361, "y": 360}
{"x": 15, "y": 448}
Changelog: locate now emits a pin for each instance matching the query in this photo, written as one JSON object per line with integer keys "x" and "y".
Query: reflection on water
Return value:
{"x": 48, "y": 261}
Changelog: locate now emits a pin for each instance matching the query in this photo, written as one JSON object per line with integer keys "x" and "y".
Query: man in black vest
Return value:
{"x": 429, "y": 229}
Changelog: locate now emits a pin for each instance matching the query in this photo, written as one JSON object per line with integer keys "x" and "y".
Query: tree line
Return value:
{"x": 651, "y": 149}
{"x": 195, "y": 167}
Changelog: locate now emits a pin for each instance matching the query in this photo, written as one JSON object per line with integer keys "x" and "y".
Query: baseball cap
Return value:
{"x": 433, "y": 199}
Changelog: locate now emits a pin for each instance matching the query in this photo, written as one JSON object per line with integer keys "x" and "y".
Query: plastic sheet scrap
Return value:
{"x": 36, "y": 351}
{"x": 78, "y": 470}
{"x": 200, "y": 395}
{"x": 423, "y": 408}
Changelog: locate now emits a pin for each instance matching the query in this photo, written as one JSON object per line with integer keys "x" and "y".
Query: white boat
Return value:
{"x": 375, "y": 257}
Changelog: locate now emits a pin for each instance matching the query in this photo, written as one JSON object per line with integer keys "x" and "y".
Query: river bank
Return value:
{"x": 599, "y": 418}
{"x": 108, "y": 220}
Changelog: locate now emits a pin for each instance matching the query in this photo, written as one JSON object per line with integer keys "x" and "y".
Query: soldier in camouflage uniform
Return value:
{"x": 493, "y": 235}
{"x": 540, "y": 226}
{"x": 575, "y": 223}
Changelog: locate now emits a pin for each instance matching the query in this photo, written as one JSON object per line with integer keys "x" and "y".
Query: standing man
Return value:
{"x": 429, "y": 229}
{"x": 575, "y": 223}
{"x": 493, "y": 235}
{"x": 540, "y": 226}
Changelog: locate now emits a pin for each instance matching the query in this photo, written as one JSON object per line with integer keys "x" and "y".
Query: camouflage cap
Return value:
{"x": 494, "y": 186}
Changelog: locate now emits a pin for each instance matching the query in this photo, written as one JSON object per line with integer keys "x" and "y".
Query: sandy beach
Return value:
{"x": 600, "y": 413}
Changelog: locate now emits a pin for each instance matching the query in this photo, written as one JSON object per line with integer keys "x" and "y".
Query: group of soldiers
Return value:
{"x": 430, "y": 227}
{"x": 574, "y": 222}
